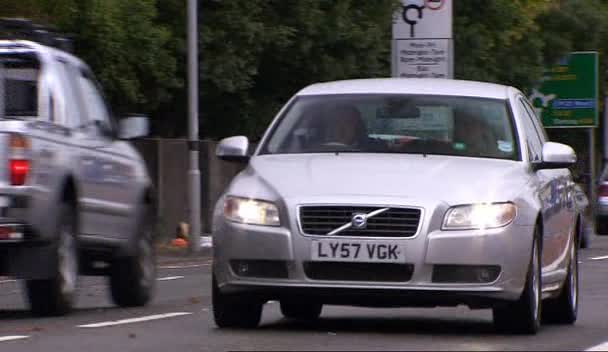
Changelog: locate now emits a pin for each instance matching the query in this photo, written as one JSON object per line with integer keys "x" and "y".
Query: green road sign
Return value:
{"x": 568, "y": 93}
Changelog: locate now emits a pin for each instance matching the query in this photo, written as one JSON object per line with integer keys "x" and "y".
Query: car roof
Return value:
{"x": 26, "y": 46}
{"x": 424, "y": 86}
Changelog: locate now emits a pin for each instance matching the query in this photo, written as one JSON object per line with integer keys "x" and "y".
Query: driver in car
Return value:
{"x": 346, "y": 127}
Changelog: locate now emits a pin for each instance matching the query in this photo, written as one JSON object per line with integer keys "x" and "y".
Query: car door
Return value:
{"x": 566, "y": 197}
{"x": 105, "y": 171}
{"x": 551, "y": 186}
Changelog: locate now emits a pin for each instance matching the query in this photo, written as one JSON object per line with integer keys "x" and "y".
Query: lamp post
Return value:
{"x": 194, "y": 174}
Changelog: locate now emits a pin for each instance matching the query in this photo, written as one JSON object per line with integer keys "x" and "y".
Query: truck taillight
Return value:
{"x": 18, "y": 171}
{"x": 19, "y": 163}
{"x": 602, "y": 190}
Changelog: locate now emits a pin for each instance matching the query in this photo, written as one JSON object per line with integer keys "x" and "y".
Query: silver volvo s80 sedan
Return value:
{"x": 399, "y": 193}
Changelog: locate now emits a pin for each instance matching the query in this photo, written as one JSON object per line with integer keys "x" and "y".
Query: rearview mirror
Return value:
{"x": 134, "y": 126}
{"x": 233, "y": 149}
{"x": 556, "y": 156}
{"x": 402, "y": 113}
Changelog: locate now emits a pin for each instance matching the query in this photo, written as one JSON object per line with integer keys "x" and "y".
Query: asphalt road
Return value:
{"x": 179, "y": 319}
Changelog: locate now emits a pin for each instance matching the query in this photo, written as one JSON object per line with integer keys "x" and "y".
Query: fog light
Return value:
{"x": 484, "y": 275}
{"x": 465, "y": 274}
{"x": 259, "y": 268}
{"x": 242, "y": 269}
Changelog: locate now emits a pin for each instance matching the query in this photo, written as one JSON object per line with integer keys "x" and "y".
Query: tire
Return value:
{"x": 301, "y": 311}
{"x": 234, "y": 311}
{"x": 585, "y": 240}
{"x": 56, "y": 296}
{"x": 564, "y": 308}
{"x": 133, "y": 278}
{"x": 601, "y": 226}
{"x": 524, "y": 315}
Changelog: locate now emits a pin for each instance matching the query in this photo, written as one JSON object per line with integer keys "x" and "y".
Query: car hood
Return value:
{"x": 447, "y": 178}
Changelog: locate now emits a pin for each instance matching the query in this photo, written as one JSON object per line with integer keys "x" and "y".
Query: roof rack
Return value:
{"x": 21, "y": 28}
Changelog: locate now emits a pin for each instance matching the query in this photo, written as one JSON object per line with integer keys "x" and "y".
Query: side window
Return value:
{"x": 71, "y": 109}
{"x": 536, "y": 121}
{"x": 95, "y": 105}
{"x": 534, "y": 142}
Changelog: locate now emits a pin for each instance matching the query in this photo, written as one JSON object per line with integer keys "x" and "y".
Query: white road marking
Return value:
{"x": 600, "y": 347}
{"x": 167, "y": 278}
{"x": 184, "y": 266}
{"x": 12, "y": 338}
{"x": 134, "y": 320}
{"x": 599, "y": 258}
{"x": 7, "y": 281}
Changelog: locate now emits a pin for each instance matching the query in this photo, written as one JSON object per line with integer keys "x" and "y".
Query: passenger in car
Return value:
{"x": 476, "y": 134}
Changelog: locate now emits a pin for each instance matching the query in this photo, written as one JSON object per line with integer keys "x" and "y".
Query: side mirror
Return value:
{"x": 556, "y": 156}
{"x": 133, "y": 127}
{"x": 233, "y": 149}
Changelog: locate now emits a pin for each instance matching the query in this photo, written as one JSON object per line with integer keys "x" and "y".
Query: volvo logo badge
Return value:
{"x": 359, "y": 221}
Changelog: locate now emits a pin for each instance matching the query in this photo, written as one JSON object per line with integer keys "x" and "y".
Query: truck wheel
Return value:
{"x": 601, "y": 225}
{"x": 523, "y": 315}
{"x": 584, "y": 237}
{"x": 133, "y": 278}
{"x": 56, "y": 296}
{"x": 301, "y": 311}
{"x": 234, "y": 311}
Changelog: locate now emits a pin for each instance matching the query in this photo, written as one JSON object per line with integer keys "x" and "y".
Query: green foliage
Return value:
{"x": 255, "y": 54}
{"x": 498, "y": 41}
{"x": 120, "y": 39}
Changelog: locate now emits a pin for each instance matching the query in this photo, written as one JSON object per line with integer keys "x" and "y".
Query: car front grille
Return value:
{"x": 394, "y": 222}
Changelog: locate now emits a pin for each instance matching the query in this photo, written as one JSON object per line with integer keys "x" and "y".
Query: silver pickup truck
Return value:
{"x": 75, "y": 196}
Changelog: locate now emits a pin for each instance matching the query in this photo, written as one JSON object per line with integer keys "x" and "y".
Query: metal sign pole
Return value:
{"x": 194, "y": 174}
{"x": 2, "y": 91}
{"x": 592, "y": 174}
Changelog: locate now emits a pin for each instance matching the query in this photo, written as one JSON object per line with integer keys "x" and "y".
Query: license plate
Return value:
{"x": 357, "y": 251}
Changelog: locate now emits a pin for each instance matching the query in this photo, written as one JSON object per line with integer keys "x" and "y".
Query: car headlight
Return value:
{"x": 250, "y": 211}
{"x": 479, "y": 216}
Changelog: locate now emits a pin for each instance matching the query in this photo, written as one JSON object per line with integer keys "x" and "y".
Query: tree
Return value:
{"x": 499, "y": 41}
{"x": 120, "y": 39}
{"x": 256, "y": 54}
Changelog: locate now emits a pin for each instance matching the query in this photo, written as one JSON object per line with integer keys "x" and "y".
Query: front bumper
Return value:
{"x": 508, "y": 248}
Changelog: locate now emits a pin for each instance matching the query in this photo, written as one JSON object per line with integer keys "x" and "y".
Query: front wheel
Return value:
{"x": 133, "y": 278}
{"x": 234, "y": 311}
{"x": 523, "y": 315}
{"x": 564, "y": 308}
{"x": 56, "y": 296}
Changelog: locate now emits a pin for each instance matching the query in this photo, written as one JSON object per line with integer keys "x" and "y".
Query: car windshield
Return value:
{"x": 425, "y": 124}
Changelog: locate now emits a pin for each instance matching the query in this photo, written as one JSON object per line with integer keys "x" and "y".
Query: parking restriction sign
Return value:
{"x": 422, "y": 43}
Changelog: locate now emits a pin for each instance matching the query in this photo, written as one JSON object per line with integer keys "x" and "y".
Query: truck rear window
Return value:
{"x": 20, "y": 77}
